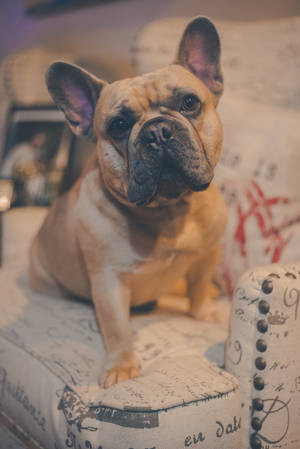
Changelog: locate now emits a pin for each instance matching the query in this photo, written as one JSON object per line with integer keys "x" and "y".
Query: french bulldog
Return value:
{"x": 145, "y": 212}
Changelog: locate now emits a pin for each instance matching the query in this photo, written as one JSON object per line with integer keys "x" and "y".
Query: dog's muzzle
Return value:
{"x": 164, "y": 146}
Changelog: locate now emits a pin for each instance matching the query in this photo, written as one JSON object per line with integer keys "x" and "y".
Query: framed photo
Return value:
{"x": 35, "y": 155}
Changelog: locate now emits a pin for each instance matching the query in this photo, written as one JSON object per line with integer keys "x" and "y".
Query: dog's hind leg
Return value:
{"x": 202, "y": 291}
{"x": 39, "y": 278}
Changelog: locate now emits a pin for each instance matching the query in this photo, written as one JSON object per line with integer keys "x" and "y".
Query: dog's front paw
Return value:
{"x": 123, "y": 367}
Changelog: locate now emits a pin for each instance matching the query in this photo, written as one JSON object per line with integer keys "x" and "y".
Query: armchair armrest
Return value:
{"x": 262, "y": 351}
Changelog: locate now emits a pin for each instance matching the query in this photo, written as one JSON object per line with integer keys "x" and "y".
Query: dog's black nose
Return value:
{"x": 158, "y": 133}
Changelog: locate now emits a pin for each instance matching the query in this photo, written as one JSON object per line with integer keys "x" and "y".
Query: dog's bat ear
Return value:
{"x": 199, "y": 51}
{"x": 76, "y": 92}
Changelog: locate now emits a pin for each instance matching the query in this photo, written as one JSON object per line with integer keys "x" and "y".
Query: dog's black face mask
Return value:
{"x": 165, "y": 160}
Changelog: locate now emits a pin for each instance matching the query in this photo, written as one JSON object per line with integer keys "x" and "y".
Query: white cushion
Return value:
{"x": 51, "y": 355}
{"x": 258, "y": 173}
{"x": 260, "y": 59}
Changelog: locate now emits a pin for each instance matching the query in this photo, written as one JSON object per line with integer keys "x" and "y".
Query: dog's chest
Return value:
{"x": 168, "y": 260}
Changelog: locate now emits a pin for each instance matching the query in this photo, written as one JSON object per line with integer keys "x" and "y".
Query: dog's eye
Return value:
{"x": 118, "y": 127}
{"x": 190, "y": 103}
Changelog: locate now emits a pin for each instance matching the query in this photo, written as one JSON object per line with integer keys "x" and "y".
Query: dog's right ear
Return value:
{"x": 199, "y": 51}
{"x": 76, "y": 92}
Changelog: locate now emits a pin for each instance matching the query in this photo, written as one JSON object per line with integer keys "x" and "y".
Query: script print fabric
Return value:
{"x": 258, "y": 174}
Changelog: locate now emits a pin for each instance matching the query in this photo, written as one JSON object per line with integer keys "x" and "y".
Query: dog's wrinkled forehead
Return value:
{"x": 150, "y": 92}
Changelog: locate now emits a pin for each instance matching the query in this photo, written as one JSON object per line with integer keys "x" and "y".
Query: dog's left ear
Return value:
{"x": 76, "y": 92}
{"x": 199, "y": 51}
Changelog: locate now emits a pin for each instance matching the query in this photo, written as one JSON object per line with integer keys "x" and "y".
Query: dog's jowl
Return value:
{"x": 145, "y": 211}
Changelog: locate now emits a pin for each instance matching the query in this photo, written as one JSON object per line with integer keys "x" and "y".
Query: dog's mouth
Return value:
{"x": 170, "y": 186}
{"x": 165, "y": 162}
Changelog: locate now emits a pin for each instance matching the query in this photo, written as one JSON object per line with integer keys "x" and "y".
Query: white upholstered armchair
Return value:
{"x": 193, "y": 393}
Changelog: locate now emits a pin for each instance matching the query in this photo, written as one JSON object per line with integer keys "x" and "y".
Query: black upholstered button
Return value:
{"x": 260, "y": 363}
{"x": 255, "y": 442}
{"x": 262, "y": 326}
{"x": 258, "y": 404}
{"x": 261, "y": 345}
{"x": 256, "y": 423}
{"x": 263, "y": 306}
{"x": 267, "y": 286}
{"x": 259, "y": 383}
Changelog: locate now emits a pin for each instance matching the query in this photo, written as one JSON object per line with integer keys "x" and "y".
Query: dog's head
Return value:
{"x": 158, "y": 135}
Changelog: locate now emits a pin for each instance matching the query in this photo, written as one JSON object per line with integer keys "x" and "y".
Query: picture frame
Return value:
{"x": 35, "y": 154}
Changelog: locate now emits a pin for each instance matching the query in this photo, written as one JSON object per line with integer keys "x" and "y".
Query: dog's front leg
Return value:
{"x": 112, "y": 303}
{"x": 202, "y": 291}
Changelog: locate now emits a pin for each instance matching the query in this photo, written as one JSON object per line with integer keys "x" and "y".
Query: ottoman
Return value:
{"x": 51, "y": 355}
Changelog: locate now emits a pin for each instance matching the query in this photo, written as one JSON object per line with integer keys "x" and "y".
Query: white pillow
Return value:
{"x": 51, "y": 355}
{"x": 260, "y": 59}
{"x": 258, "y": 173}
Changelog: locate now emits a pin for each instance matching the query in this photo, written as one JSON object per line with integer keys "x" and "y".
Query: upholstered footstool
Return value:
{"x": 51, "y": 355}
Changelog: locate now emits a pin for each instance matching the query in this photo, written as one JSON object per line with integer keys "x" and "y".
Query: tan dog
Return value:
{"x": 145, "y": 211}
